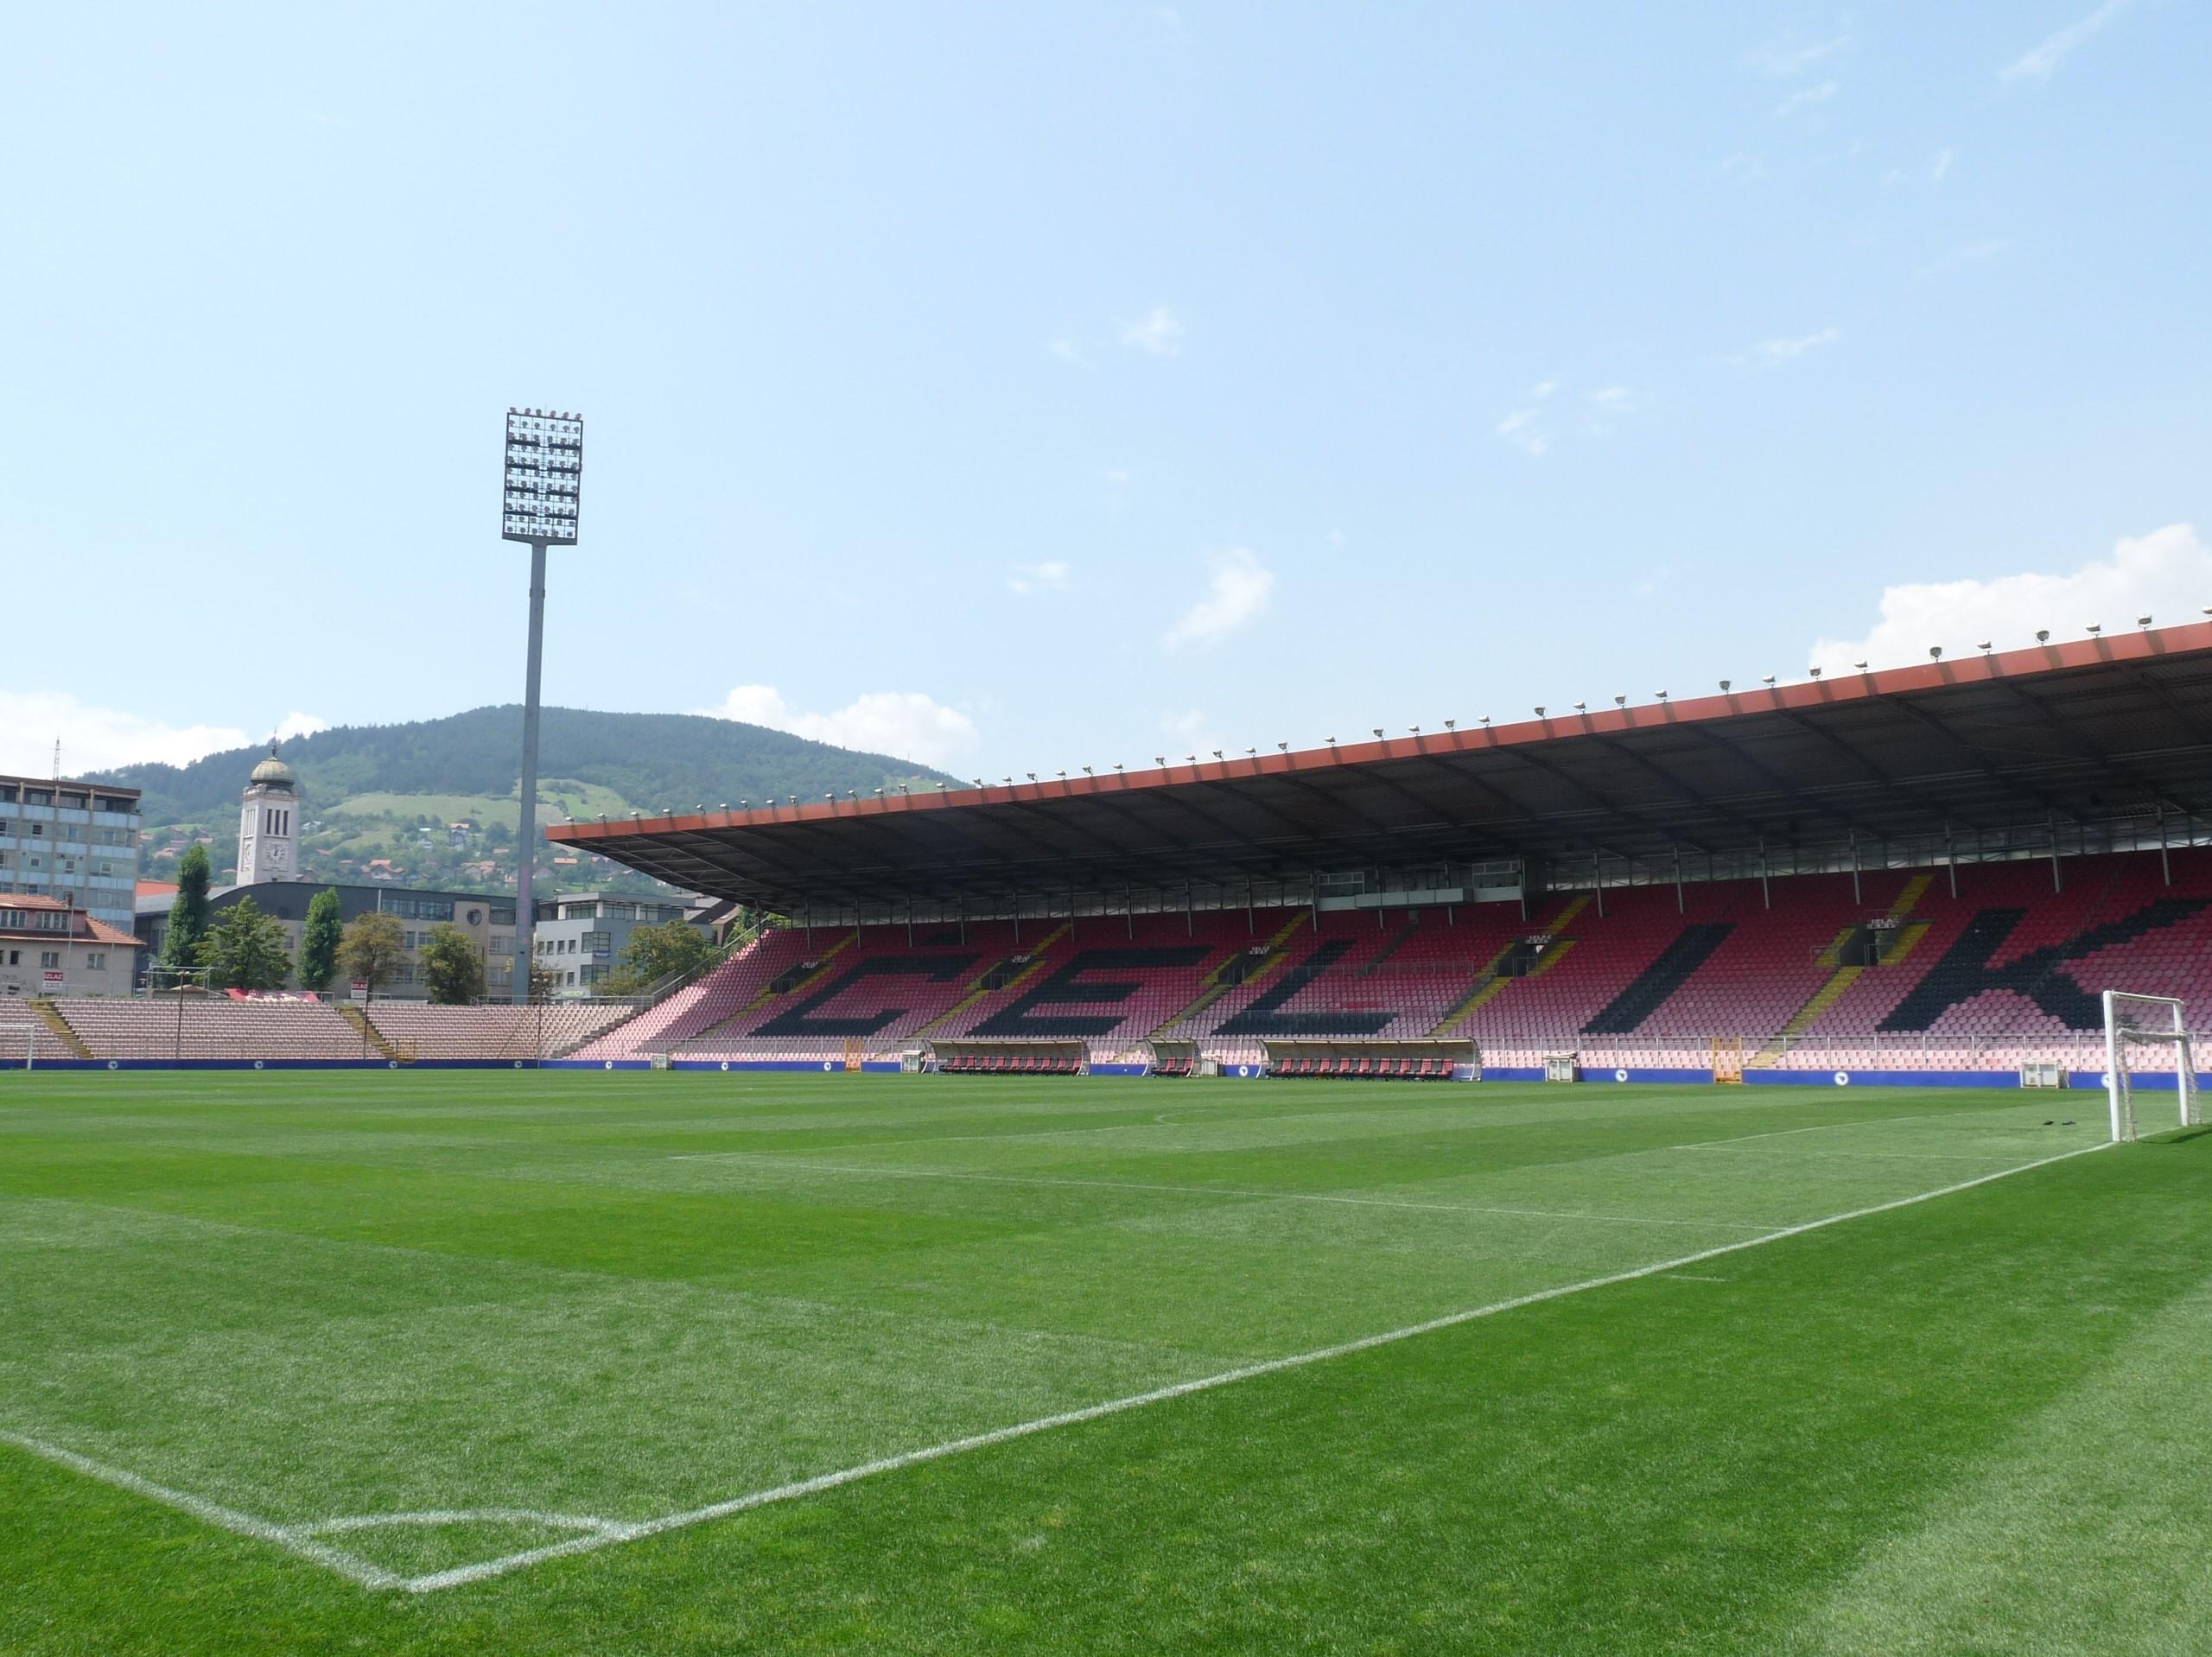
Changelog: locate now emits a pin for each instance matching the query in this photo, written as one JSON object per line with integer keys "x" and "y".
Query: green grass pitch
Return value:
{"x": 571, "y": 1362}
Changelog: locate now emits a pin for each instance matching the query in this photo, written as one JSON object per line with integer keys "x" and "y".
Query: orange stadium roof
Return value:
{"x": 2077, "y": 732}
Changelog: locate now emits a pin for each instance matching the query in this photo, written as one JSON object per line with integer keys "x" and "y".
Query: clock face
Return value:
{"x": 276, "y": 854}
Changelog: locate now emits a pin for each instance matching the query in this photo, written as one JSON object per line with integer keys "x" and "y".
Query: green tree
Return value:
{"x": 372, "y": 949}
{"x": 318, "y": 942}
{"x": 656, "y": 952}
{"x": 245, "y": 948}
{"x": 451, "y": 968}
{"x": 188, "y": 914}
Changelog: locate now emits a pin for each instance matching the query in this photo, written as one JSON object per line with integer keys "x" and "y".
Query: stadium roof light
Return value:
{"x": 1861, "y": 666}
{"x": 2095, "y": 628}
{"x": 1282, "y": 747}
{"x": 1815, "y": 672}
{"x": 1451, "y": 724}
{"x": 1724, "y": 686}
{"x": 1983, "y": 646}
{"x": 1159, "y": 759}
{"x": 1031, "y": 775}
{"x": 1486, "y": 721}
{"x": 1767, "y": 680}
{"x": 1582, "y": 708}
{"x": 1378, "y": 730}
{"x": 2042, "y": 634}
{"x": 2143, "y": 621}
{"x": 1620, "y": 701}
{"x": 1540, "y": 710}
{"x": 1661, "y": 695}
{"x": 1935, "y": 653}
{"x": 1218, "y": 753}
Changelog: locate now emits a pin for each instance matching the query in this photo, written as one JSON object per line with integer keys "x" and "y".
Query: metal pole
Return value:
{"x": 527, "y": 840}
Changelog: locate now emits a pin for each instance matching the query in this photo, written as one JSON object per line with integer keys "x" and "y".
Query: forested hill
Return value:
{"x": 651, "y": 761}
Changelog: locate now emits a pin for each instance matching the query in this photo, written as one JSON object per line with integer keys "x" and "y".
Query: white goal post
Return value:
{"x": 2132, "y": 1021}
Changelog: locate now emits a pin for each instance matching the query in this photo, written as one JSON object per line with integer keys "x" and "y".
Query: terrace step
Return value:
{"x": 981, "y": 986}
{"x": 50, "y": 1015}
{"x": 374, "y": 1037}
{"x": 1843, "y": 977}
{"x": 1488, "y": 984}
{"x": 1216, "y": 987}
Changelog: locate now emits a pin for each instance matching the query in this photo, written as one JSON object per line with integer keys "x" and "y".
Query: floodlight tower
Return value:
{"x": 544, "y": 480}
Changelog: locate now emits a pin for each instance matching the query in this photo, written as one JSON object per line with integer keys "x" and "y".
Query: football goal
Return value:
{"x": 2146, "y": 1033}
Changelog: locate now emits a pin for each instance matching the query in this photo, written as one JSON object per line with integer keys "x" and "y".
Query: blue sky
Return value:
{"x": 1026, "y": 386}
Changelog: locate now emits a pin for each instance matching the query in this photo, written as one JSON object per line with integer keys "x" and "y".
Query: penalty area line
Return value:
{"x": 638, "y": 1530}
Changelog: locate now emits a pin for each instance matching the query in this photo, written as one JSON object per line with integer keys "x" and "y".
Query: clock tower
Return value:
{"x": 268, "y": 834}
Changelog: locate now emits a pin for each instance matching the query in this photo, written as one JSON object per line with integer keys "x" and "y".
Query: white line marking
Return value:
{"x": 1830, "y": 1127}
{"x": 1689, "y": 1276}
{"x": 775, "y": 1160}
{"x": 601, "y": 1532}
{"x": 469, "y": 1573}
{"x": 230, "y": 1519}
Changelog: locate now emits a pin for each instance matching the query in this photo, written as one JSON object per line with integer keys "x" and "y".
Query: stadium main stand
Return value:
{"x": 1804, "y": 971}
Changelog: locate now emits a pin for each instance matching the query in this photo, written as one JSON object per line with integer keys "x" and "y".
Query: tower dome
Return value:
{"x": 274, "y": 771}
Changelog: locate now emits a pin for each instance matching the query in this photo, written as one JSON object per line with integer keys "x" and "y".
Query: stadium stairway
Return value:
{"x": 50, "y": 1016}
{"x": 981, "y": 988}
{"x": 1488, "y": 983}
{"x": 1216, "y": 987}
{"x": 370, "y": 1033}
{"x": 1909, "y": 934}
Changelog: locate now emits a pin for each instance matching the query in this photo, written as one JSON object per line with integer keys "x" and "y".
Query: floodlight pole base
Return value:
{"x": 526, "y": 837}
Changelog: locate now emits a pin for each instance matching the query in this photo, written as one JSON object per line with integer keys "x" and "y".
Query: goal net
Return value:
{"x": 2145, "y": 1034}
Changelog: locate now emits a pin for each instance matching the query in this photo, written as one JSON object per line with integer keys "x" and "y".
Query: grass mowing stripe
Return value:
{"x": 463, "y": 1575}
{"x": 774, "y": 1160}
{"x": 214, "y": 1512}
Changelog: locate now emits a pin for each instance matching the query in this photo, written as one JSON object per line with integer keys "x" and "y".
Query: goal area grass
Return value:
{"x": 590, "y": 1362}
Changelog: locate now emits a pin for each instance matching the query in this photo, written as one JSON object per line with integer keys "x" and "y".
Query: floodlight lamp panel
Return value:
{"x": 544, "y": 477}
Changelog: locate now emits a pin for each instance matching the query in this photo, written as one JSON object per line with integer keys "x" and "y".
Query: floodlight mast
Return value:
{"x": 543, "y": 480}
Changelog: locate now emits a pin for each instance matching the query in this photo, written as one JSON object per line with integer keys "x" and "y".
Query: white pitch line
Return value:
{"x": 230, "y": 1519}
{"x": 773, "y": 1160}
{"x": 461, "y": 1575}
{"x": 1820, "y": 1128}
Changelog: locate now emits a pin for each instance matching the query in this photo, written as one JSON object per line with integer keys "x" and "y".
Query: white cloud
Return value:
{"x": 1158, "y": 333}
{"x": 1237, "y": 590}
{"x": 1188, "y": 732}
{"x": 1968, "y": 253}
{"x": 1050, "y": 576}
{"x": 1808, "y": 97}
{"x": 96, "y": 739}
{"x": 1611, "y": 399}
{"x": 1520, "y": 429}
{"x": 1786, "y": 58}
{"x": 2164, "y": 574}
{"x": 1941, "y": 165}
{"x": 1747, "y": 169}
{"x": 905, "y": 724}
{"x": 298, "y": 724}
{"x": 2040, "y": 64}
{"x": 1773, "y": 353}
{"x": 1068, "y": 351}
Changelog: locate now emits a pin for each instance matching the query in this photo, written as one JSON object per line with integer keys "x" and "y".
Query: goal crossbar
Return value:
{"x": 2161, "y": 1020}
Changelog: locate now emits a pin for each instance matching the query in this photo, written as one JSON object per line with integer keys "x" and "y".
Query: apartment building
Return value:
{"x": 74, "y": 842}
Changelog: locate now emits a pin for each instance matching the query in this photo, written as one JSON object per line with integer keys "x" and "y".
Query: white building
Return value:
{"x": 268, "y": 824}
